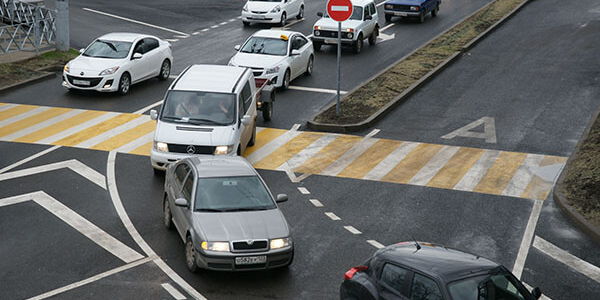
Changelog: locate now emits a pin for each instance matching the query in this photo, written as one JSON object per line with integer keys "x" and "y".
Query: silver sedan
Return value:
{"x": 226, "y": 215}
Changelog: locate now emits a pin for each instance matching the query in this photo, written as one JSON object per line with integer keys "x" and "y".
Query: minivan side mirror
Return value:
{"x": 320, "y": 14}
{"x": 153, "y": 114}
{"x": 246, "y": 119}
{"x": 181, "y": 202}
{"x": 536, "y": 293}
{"x": 237, "y": 47}
{"x": 295, "y": 52}
{"x": 137, "y": 56}
{"x": 81, "y": 50}
{"x": 281, "y": 198}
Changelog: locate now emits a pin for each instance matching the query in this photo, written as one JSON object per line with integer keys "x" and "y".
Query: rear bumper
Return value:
{"x": 226, "y": 262}
{"x": 397, "y": 13}
{"x": 271, "y": 18}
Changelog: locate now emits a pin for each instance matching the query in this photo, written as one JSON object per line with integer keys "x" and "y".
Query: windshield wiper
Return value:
{"x": 171, "y": 118}
{"x": 110, "y": 45}
{"x": 246, "y": 209}
{"x": 198, "y": 121}
{"x": 209, "y": 210}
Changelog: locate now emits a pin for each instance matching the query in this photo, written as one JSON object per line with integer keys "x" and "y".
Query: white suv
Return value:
{"x": 272, "y": 11}
{"x": 361, "y": 25}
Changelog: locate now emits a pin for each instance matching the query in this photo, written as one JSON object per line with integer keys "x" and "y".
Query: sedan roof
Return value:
{"x": 221, "y": 166}
{"x": 123, "y": 36}
{"x": 274, "y": 33}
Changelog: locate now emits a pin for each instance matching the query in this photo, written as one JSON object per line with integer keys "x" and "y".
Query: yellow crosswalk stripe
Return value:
{"x": 288, "y": 150}
{"x": 143, "y": 150}
{"x": 97, "y": 129}
{"x": 263, "y": 138}
{"x": 60, "y": 126}
{"x": 126, "y": 137}
{"x": 17, "y": 110}
{"x": 328, "y": 154}
{"x": 30, "y": 121}
{"x": 452, "y": 172}
{"x": 539, "y": 188}
{"x": 500, "y": 173}
{"x": 369, "y": 159}
{"x": 412, "y": 163}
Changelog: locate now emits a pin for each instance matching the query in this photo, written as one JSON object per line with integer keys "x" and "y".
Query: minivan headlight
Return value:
{"x": 222, "y": 150}
{"x": 161, "y": 147}
{"x": 280, "y": 243}
{"x": 216, "y": 246}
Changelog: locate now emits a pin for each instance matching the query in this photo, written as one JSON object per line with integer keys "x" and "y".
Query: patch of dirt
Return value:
{"x": 11, "y": 73}
{"x": 582, "y": 183}
{"x": 373, "y": 95}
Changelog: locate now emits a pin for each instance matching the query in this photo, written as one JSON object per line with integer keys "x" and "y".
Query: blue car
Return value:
{"x": 411, "y": 9}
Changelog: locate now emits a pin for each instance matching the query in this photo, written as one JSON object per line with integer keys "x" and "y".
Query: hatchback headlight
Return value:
{"x": 161, "y": 147}
{"x": 67, "y": 67}
{"x": 276, "y": 9}
{"x": 245, "y": 8}
{"x": 222, "y": 150}
{"x": 415, "y": 8}
{"x": 109, "y": 71}
{"x": 216, "y": 246}
{"x": 280, "y": 243}
{"x": 273, "y": 70}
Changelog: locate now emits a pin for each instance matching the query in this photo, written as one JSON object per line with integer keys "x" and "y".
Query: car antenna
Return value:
{"x": 417, "y": 244}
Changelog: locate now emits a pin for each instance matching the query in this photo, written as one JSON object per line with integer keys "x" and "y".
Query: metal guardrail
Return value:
{"x": 28, "y": 26}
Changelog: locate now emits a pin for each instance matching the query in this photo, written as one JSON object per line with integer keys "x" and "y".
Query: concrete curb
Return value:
{"x": 557, "y": 193}
{"x": 29, "y": 81}
{"x": 345, "y": 128}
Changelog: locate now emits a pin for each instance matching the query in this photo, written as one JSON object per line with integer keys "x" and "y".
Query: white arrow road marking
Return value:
{"x": 386, "y": 37}
{"x": 288, "y": 171}
{"x": 567, "y": 258}
{"x": 73, "y": 164}
{"x": 489, "y": 130}
{"x": 85, "y": 227}
{"x": 29, "y": 159}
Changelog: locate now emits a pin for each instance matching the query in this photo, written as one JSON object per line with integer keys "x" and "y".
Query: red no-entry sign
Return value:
{"x": 339, "y": 10}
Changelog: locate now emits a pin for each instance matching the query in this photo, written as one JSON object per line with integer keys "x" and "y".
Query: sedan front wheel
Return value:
{"x": 190, "y": 255}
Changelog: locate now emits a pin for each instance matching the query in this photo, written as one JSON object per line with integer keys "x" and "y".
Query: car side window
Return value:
{"x": 180, "y": 172}
{"x": 393, "y": 277}
{"x": 150, "y": 44}
{"x": 367, "y": 12}
{"x": 246, "y": 96}
{"x": 424, "y": 288}
{"x": 188, "y": 186}
{"x": 373, "y": 9}
{"x": 298, "y": 42}
{"x": 139, "y": 47}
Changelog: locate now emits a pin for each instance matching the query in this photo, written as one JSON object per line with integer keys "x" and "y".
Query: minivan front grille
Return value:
{"x": 245, "y": 246}
{"x": 197, "y": 149}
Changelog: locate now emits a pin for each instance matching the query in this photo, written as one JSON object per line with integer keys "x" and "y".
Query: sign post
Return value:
{"x": 340, "y": 11}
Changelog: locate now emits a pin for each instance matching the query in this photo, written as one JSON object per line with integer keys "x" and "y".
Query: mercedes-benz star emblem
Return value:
{"x": 190, "y": 149}
{"x": 81, "y": 73}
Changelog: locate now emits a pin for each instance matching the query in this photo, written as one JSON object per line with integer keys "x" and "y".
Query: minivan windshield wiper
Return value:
{"x": 171, "y": 118}
{"x": 199, "y": 121}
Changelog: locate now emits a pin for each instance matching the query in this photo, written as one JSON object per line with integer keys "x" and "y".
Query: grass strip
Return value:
{"x": 360, "y": 104}
{"x": 11, "y": 73}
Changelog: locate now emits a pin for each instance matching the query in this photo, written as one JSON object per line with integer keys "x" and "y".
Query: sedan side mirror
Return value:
{"x": 295, "y": 52}
{"x": 137, "y": 56}
{"x": 153, "y": 114}
{"x": 181, "y": 202}
{"x": 320, "y": 14}
{"x": 246, "y": 120}
{"x": 536, "y": 293}
{"x": 281, "y": 198}
{"x": 81, "y": 50}
{"x": 237, "y": 47}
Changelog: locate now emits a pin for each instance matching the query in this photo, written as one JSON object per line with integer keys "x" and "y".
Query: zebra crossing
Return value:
{"x": 514, "y": 174}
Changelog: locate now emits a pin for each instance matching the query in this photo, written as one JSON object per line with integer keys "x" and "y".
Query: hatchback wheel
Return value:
{"x": 190, "y": 255}
{"x": 283, "y": 19}
{"x": 124, "y": 84}
{"x": 168, "y": 218}
{"x": 300, "y": 13}
{"x": 165, "y": 70}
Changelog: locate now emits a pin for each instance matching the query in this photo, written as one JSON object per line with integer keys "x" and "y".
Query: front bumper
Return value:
{"x": 397, "y": 13}
{"x": 226, "y": 261}
{"x": 332, "y": 41}
{"x": 248, "y": 16}
{"x": 161, "y": 160}
{"x": 109, "y": 83}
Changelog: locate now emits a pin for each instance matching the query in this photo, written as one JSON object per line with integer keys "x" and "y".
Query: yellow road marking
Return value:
{"x": 60, "y": 126}
{"x": 328, "y": 154}
{"x": 537, "y": 189}
{"x": 369, "y": 159}
{"x": 549, "y": 160}
{"x": 288, "y": 150}
{"x": 35, "y": 119}
{"x": 263, "y": 138}
{"x": 412, "y": 163}
{"x": 454, "y": 170}
{"x": 143, "y": 149}
{"x": 500, "y": 173}
{"x": 15, "y": 111}
{"x": 126, "y": 137}
{"x": 95, "y": 130}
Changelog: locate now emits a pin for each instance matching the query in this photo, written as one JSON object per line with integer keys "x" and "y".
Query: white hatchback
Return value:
{"x": 272, "y": 11}
{"x": 277, "y": 55}
{"x": 115, "y": 61}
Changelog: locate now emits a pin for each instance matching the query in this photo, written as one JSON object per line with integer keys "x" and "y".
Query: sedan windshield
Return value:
{"x": 227, "y": 194}
{"x": 107, "y": 49}
{"x": 264, "y": 45}
{"x": 199, "y": 108}
{"x": 265, "y": 0}
{"x": 357, "y": 13}
{"x": 488, "y": 287}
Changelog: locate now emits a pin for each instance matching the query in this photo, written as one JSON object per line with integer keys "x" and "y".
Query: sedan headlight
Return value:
{"x": 415, "y": 8}
{"x": 276, "y": 9}
{"x": 388, "y": 6}
{"x": 109, "y": 71}
{"x": 161, "y": 147}
{"x": 281, "y": 243}
{"x": 67, "y": 67}
{"x": 245, "y": 8}
{"x": 222, "y": 150}
{"x": 216, "y": 246}
{"x": 273, "y": 70}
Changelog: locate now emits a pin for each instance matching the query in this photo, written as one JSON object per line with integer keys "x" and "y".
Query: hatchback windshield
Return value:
{"x": 264, "y": 45}
{"x": 487, "y": 287}
{"x": 199, "y": 108}
{"x": 222, "y": 194}
{"x": 107, "y": 49}
{"x": 265, "y": 0}
{"x": 357, "y": 13}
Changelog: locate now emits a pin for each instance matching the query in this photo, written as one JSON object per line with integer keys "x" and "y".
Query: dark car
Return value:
{"x": 411, "y": 9}
{"x": 424, "y": 271}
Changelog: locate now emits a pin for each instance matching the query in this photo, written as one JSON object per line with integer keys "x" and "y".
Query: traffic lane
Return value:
{"x": 322, "y": 253}
{"x": 487, "y": 225}
{"x": 15, "y": 152}
{"x": 50, "y": 92}
{"x": 537, "y": 77}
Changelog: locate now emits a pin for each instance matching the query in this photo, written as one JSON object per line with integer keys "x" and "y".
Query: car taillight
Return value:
{"x": 353, "y": 271}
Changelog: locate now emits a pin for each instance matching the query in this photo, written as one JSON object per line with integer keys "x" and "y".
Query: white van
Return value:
{"x": 209, "y": 110}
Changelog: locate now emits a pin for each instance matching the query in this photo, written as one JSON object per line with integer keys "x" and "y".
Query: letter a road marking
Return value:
{"x": 489, "y": 130}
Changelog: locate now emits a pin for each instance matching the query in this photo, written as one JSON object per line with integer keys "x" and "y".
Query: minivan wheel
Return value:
{"x": 190, "y": 255}
{"x": 168, "y": 218}
{"x": 124, "y": 84}
{"x": 283, "y": 19}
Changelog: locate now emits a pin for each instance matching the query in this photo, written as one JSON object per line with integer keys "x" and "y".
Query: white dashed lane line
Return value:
{"x": 303, "y": 190}
{"x": 316, "y": 202}
{"x": 332, "y": 216}
{"x": 135, "y": 21}
{"x": 352, "y": 230}
{"x": 375, "y": 244}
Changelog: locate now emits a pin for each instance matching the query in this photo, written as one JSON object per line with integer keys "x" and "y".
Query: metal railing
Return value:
{"x": 25, "y": 26}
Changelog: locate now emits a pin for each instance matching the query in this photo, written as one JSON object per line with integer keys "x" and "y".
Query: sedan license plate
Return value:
{"x": 81, "y": 82}
{"x": 250, "y": 260}
{"x": 401, "y": 14}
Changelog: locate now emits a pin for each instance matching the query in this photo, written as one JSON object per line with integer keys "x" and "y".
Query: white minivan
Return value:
{"x": 209, "y": 110}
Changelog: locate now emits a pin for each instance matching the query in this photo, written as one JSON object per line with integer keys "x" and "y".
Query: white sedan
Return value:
{"x": 115, "y": 61}
{"x": 272, "y": 11}
{"x": 277, "y": 55}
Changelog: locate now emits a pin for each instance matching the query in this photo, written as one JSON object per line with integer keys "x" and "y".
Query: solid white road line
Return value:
{"x": 113, "y": 132}
{"x": 303, "y": 190}
{"x": 77, "y": 128}
{"x": 232, "y": 20}
{"x": 73, "y": 164}
{"x": 375, "y": 244}
{"x": 316, "y": 90}
{"x": 41, "y": 125}
{"x": 273, "y": 145}
{"x": 567, "y": 258}
{"x": 477, "y": 171}
{"x": 136, "y": 143}
{"x": 308, "y": 152}
{"x": 172, "y": 40}
{"x": 386, "y": 27}
{"x": 135, "y": 21}
{"x": 118, "y": 204}
{"x": 390, "y": 161}
{"x": 92, "y": 279}
{"x": 332, "y": 216}
{"x": 181, "y": 36}
{"x": 527, "y": 237}
{"x": 434, "y": 165}
{"x": 519, "y": 182}
{"x": 349, "y": 156}
{"x": 352, "y": 230}
{"x": 28, "y": 159}
{"x": 380, "y": 4}
{"x": 173, "y": 291}
{"x": 24, "y": 115}
{"x": 316, "y": 202}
